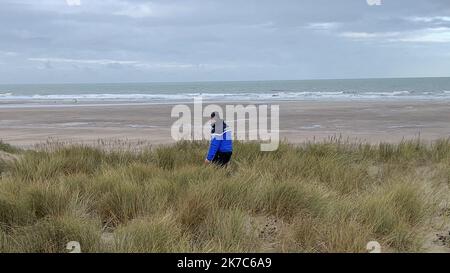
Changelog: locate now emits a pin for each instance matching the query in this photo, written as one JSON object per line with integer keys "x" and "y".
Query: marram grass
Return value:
{"x": 315, "y": 197}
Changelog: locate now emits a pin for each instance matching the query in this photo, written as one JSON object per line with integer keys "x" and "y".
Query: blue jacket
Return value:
{"x": 220, "y": 142}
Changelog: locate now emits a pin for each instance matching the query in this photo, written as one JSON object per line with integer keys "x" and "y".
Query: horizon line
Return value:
{"x": 218, "y": 81}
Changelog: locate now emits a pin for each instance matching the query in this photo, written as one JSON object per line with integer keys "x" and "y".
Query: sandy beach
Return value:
{"x": 369, "y": 121}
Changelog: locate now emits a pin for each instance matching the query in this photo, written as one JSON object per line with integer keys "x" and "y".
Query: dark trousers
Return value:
{"x": 222, "y": 159}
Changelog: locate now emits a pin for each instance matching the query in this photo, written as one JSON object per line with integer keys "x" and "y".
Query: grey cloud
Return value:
{"x": 188, "y": 40}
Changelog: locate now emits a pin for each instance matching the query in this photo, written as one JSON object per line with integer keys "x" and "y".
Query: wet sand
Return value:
{"x": 369, "y": 121}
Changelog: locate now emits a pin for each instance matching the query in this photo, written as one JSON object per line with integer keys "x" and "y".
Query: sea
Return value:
{"x": 168, "y": 92}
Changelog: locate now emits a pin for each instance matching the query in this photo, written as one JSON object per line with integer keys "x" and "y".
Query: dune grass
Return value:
{"x": 5, "y": 147}
{"x": 315, "y": 197}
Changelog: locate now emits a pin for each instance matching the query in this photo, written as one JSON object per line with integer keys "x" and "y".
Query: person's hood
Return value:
{"x": 218, "y": 127}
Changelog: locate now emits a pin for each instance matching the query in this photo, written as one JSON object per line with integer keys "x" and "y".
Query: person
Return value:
{"x": 221, "y": 146}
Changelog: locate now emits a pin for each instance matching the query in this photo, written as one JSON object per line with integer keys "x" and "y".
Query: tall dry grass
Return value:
{"x": 316, "y": 197}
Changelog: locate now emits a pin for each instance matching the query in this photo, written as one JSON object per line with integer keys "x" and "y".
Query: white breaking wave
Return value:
{"x": 179, "y": 96}
{"x": 388, "y": 94}
{"x": 245, "y": 96}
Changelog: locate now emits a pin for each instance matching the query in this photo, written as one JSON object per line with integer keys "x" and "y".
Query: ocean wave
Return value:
{"x": 178, "y": 96}
{"x": 235, "y": 96}
{"x": 387, "y": 94}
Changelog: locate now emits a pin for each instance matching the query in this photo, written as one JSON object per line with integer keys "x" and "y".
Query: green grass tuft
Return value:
{"x": 5, "y": 147}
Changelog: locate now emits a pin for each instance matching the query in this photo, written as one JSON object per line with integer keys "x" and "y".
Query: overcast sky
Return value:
{"x": 196, "y": 40}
